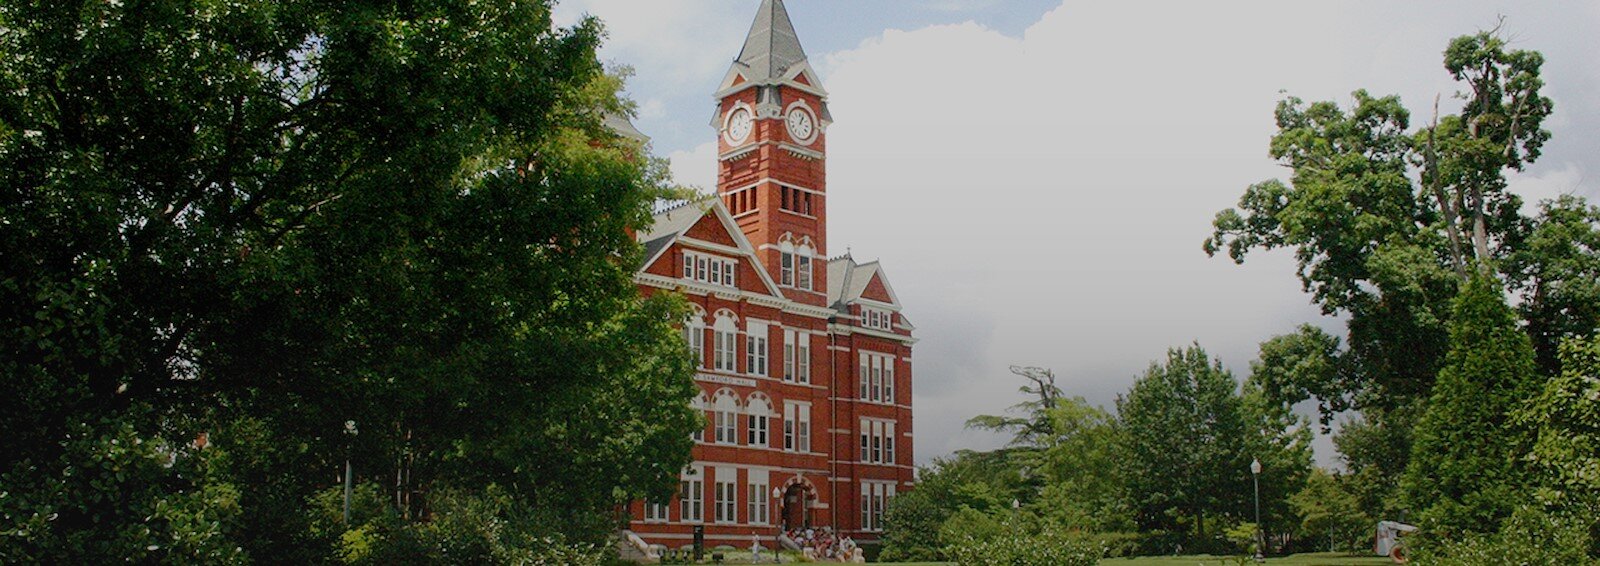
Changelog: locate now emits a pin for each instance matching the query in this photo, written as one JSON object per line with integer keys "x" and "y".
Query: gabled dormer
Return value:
{"x": 861, "y": 293}
{"x": 697, "y": 247}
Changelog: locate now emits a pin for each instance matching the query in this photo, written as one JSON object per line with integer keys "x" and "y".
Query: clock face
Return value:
{"x": 739, "y": 125}
{"x": 801, "y": 126}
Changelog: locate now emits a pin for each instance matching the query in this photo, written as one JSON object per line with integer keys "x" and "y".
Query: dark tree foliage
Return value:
{"x": 260, "y": 220}
{"x": 1464, "y": 475}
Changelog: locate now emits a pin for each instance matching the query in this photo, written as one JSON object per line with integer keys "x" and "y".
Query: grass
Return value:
{"x": 1315, "y": 559}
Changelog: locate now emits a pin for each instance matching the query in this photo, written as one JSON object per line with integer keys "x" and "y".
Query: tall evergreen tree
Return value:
{"x": 1464, "y": 475}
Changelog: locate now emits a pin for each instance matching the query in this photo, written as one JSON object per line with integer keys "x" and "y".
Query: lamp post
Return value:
{"x": 777, "y": 497}
{"x": 349, "y": 472}
{"x": 1261, "y": 540}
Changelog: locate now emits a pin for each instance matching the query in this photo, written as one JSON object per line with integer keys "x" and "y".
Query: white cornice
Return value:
{"x": 696, "y": 288}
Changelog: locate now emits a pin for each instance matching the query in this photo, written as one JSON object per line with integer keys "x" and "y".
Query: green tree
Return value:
{"x": 980, "y": 482}
{"x": 1184, "y": 453}
{"x": 263, "y": 219}
{"x": 1555, "y": 272}
{"x": 1565, "y": 421}
{"x": 1083, "y": 489}
{"x": 1463, "y": 476}
{"x": 1388, "y": 221}
{"x": 1329, "y": 511}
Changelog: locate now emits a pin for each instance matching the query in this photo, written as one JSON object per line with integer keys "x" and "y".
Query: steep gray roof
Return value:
{"x": 772, "y": 46}
{"x": 624, "y": 127}
{"x": 847, "y": 280}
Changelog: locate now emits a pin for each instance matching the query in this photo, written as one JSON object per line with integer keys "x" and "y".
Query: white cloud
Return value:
{"x": 670, "y": 44}
{"x": 1055, "y": 189}
{"x": 696, "y": 167}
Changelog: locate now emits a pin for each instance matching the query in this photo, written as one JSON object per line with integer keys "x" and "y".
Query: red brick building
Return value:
{"x": 805, "y": 361}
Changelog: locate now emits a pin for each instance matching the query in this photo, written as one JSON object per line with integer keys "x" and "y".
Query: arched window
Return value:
{"x": 803, "y": 265}
{"x": 786, "y": 263}
{"x": 725, "y": 416}
{"x": 725, "y": 342}
{"x": 758, "y": 428}
{"x": 694, "y": 334}
{"x": 700, "y": 403}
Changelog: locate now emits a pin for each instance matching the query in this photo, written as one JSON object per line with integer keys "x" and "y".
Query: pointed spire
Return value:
{"x": 772, "y": 47}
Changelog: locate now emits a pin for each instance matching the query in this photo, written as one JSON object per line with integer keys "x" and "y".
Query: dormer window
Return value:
{"x": 709, "y": 269}
{"x": 877, "y": 318}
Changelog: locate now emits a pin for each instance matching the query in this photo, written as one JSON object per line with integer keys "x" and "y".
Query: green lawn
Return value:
{"x": 1318, "y": 559}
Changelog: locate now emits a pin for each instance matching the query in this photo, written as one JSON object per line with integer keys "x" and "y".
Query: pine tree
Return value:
{"x": 1463, "y": 476}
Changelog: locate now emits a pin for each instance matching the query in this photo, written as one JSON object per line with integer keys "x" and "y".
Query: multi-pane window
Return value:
{"x": 757, "y": 512}
{"x": 699, "y": 434}
{"x": 875, "y": 497}
{"x": 725, "y": 426}
{"x": 755, "y": 349}
{"x": 804, "y": 417}
{"x": 788, "y": 355}
{"x": 691, "y": 500}
{"x": 757, "y": 430}
{"x": 803, "y": 353}
{"x": 796, "y": 426}
{"x": 695, "y": 335}
{"x": 655, "y": 512}
{"x": 786, "y": 271}
{"x": 803, "y": 272}
{"x": 724, "y": 341}
{"x": 796, "y": 356}
{"x": 709, "y": 269}
{"x": 726, "y": 501}
{"x": 877, "y": 441}
{"x": 876, "y": 379}
{"x": 877, "y": 318}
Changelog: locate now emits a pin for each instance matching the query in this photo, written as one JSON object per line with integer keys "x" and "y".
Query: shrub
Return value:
{"x": 1530, "y": 537}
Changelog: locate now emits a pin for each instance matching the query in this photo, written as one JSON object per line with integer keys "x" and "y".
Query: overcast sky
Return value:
{"x": 1037, "y": 177}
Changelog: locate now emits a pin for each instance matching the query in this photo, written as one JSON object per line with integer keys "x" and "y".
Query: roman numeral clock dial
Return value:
{"x": 802, "y": 127}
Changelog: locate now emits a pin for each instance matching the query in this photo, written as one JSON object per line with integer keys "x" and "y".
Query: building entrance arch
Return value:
{"x": 798, "y": 493}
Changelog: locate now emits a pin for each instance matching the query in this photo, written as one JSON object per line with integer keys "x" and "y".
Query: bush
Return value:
{"x": 1016, "y": 539}
{"x": 463, "y": 528}
{"x": 1014, "y": 548}
{"x": 1530, "y": 537}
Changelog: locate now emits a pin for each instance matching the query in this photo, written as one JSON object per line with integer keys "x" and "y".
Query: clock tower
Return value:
{"x": 772, "y": 120}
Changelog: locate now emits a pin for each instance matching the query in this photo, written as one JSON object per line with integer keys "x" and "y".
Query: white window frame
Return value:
{"x": 790, "y": 372}
{"x": 755, "y": 349}
{"x": 692, "y": 499}
{"x": 710, "y": 269}
{"x": 803, "y": 268}
{"x": 725, "y": 499}
{"x": 656, "y": 512}
{"x": 758, "y": 510}
{"x": 757, "y": 432}
{"x": 797, "y": 427}
{"x": 803, "y": 358}
{"x": 725, "y": 345}
{"x": 727, "y": 427}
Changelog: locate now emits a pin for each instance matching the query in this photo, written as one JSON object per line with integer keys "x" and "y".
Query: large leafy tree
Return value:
{"x": 1184, "y": 453}
{"x": 259, "y": 220}
{"x": 1388, "y": 221}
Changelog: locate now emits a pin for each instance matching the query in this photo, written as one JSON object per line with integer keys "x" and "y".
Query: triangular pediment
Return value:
{"x": 706, "y": 227}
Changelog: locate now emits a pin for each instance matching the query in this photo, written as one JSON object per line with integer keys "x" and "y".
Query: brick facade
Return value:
{"x": 833, "y": 390}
